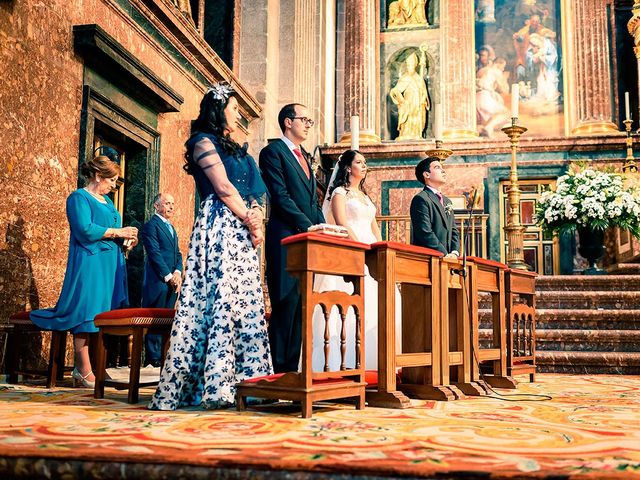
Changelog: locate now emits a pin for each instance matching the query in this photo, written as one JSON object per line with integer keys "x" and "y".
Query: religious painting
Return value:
{"x": 519, "y": 42}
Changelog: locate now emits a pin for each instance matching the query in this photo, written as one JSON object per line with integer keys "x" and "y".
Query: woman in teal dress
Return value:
{"x": 95, "y": 280}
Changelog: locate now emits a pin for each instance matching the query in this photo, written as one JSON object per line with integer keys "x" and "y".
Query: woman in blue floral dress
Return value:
{"x": 219, "y": 335}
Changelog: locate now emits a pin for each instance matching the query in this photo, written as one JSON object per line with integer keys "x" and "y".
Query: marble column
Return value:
{"x": 457, "y": 93}
{"x": 361, "y": 69}
{"x": 590, "y": 105}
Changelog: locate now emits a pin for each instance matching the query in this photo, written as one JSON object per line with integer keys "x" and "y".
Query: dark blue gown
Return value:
{"x": 95, "y": 280}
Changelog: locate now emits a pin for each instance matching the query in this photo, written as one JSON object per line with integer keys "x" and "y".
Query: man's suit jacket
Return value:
{"x": 294, "y": 208}
{"x": 163, "y": 257}
{"x": 431, "y": 225}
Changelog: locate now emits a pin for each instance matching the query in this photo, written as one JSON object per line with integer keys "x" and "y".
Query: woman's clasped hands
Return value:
{"x": 255, "y": 221}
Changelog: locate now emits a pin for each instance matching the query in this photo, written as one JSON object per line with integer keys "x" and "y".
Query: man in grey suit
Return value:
{"x": 432, "y": 222}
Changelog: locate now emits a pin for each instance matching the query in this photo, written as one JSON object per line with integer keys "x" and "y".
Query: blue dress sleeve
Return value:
{"x": 80, "y": 220}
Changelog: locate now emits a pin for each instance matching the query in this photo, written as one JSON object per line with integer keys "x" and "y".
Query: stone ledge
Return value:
{"x": 587, "y": 282}
{"x": 554, "y": 357}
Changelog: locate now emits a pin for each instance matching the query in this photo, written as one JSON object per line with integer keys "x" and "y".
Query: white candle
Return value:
{"x": 515, "y": 99}
{"x": 627, "y": 109}
{"x": 355, "y": 132}
{"x": 437, "y": 122}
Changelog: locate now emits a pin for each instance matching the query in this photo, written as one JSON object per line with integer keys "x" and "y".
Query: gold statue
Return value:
{"x": 407, "y": 12}
{"x": 634, "y": 26}
{"x": 410, "y": 94}
{"x": 185, "y": 8}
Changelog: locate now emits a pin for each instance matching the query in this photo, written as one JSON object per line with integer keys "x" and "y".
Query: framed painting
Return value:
{"x": 519, "y": 41}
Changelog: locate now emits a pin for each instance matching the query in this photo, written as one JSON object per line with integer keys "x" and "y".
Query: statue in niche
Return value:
{"x": 185, "y": 8}
{"x": 407, "y": 12}
{"x": 411, "y": 96}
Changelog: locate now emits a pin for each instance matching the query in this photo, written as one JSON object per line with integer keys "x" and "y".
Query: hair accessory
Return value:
{"x": 221, "y": 90}
{"x": 109, "y": 152}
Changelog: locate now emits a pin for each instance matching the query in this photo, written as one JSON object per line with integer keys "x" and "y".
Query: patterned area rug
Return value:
{"x": 590, "y": 429}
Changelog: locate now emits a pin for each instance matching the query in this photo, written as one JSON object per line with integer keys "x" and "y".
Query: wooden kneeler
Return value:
{"x": 488, "y": 276}
{"x": 309, "y": 254}
{"x": 418, "y": 271}
{"x": 521, "y": 321}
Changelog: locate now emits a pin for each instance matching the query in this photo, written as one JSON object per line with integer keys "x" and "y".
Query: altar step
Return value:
{"x": 585, "y": 324}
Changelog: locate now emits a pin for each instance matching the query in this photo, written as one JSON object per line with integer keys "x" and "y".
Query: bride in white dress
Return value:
{"x": 347, "y": 204}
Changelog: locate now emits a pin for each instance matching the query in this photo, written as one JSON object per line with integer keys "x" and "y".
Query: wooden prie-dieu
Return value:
{"x": 309, "y": 255}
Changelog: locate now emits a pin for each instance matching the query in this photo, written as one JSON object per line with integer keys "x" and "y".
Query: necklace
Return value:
{"x": 100, "y": 198}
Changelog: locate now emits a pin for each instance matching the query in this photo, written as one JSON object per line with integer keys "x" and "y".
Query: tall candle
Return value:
{"x": 437, "y": 122}
{"x": 627, "y": 109}
{"x": 515, "y": 99}
{"x": 355, "y": 132}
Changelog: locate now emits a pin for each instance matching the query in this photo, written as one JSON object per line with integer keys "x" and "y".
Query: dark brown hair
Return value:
{"x": 100, "y": 165}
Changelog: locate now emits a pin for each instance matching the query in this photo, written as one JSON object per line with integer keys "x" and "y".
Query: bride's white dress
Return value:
{"x": 360, "y": 213}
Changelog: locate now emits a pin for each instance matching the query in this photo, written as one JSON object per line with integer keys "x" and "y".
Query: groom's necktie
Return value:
{"x": 302, "y": 162}
{"x": 440, "y": 197}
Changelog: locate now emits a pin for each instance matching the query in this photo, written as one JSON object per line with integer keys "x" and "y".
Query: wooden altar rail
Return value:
{"x": 397, "y": 228}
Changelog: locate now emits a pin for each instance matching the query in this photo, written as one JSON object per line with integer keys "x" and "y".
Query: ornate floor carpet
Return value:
{"x": 590, "y": 429}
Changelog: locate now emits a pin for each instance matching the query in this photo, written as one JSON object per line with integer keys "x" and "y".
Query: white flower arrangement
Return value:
{"x": 589, "y": 198}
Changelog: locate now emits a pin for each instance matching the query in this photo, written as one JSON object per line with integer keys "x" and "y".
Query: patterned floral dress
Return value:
{"x": 219, "y": 335}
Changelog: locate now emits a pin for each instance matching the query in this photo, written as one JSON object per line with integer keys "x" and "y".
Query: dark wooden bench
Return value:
{"x": 20, "y": 325}
{"x": 134, "y": 322}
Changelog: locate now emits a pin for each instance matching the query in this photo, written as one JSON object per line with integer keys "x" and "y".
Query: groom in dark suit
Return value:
{"x": 432, "y": 222}
{"x": 294, "y": 208}
{"x": 162, "y": 268}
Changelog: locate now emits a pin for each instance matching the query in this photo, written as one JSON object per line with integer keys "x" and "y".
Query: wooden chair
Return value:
{"x": 521, "y": 314}
{"x": 309, "y": 254}
{"x": 125, "y": 322}
{"x": 487, "y": 276}
{"x": 20, "y": 325}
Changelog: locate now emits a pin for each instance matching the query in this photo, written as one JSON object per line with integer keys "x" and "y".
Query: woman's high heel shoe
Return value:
{"x": 78, "y": 379}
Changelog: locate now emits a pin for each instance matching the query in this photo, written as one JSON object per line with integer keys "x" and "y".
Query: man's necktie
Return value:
{"x": 440, "y": 197}
{"x": 302, "y": 162}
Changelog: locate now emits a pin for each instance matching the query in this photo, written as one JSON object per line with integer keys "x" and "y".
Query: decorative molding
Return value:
{"x": 569, "y": 147}
{"x": 105, "y": 55}
{"x": 172, "y": 24}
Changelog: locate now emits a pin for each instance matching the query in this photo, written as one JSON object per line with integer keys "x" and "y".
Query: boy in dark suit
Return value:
{"x": 294, "y": 208}
{"x": 162, "y": 268}
{"x": 432, "y": 222}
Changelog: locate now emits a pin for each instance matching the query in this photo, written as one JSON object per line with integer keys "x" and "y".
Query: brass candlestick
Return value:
{"x": 514, "y": 231}
{"x": 439, "y": 152}
{"x": 630, "y": 162}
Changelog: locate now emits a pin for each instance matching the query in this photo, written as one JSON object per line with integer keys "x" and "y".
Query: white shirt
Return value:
{"x": 168, "y": 276}
{"x": 292, "y": 146}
